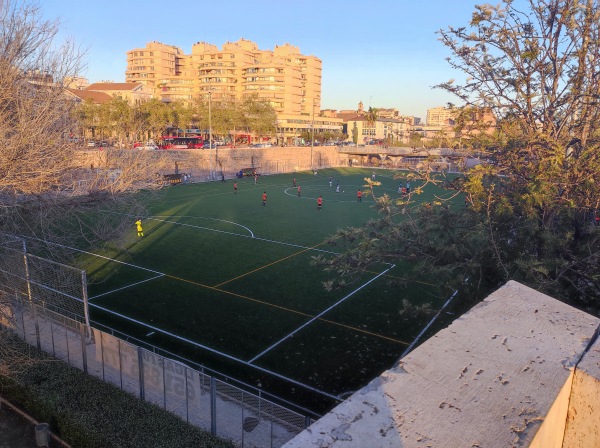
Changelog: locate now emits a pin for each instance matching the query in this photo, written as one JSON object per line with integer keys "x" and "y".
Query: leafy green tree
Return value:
{"x": 158, "y": 116}
{"x": 416, "y": 140}
{"x": 119, "y": 118}
{"x": 259, "y": 116}
{"x": 355, "y": 133}
{"x": 88, "y": 116}
{"x": 372, "y": 115}
{"x": 531, "y": 204}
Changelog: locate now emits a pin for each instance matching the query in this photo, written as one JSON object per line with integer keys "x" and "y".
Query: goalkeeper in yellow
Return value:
{"x": 140, "y": 229}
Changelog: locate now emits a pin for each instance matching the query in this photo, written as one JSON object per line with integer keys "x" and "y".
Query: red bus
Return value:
{"x": 180, "y": 142}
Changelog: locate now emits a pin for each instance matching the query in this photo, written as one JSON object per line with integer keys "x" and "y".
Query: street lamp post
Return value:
{"x": 210, "y": 134}
{"x": 209, "y": 120}
{"x": 312, "y": 140}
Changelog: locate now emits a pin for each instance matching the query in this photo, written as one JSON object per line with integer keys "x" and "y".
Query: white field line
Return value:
{"x": 318, "y": 316}
{"x": 125, "y": 287}
{"x": 33, "y": 282}
{"x": 200, "y": 227}
{"x": 203, "y": 217}
{"x": 232, "y": 233}
{"x": 96, "y": 255}
{"x": 410, "y": 347}
{"x": 159, "y": 274}
{"x": 212, "y": 350}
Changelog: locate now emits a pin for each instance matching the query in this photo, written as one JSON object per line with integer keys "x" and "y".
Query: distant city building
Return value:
{"x": 331, "y": 113}
{"x": 132, "y": 92}
{"x": 413, "y": 121}
{"x": 81, "y": 95}
{"x": 388, "y": 113}
{"x": 477, "y": 121}
{"x": 103, "y": 92}
{"x": 441, "y": 116}
{"x": 389, "y": 125}
{"x": 362, "y": 130}
{"x": 285, "y": 78}
{"x": 76, "y": 82}
{"x": 429, "y": 133}
{"x": 291, "y": 127}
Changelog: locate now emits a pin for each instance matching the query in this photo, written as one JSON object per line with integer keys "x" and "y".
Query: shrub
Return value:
{"x": 87, "y": 412}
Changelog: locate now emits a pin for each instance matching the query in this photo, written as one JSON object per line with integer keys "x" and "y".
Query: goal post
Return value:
{"x": 46, "y": 285}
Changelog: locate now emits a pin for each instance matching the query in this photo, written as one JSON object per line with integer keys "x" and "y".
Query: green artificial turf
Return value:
{"x": 224, "y": 271}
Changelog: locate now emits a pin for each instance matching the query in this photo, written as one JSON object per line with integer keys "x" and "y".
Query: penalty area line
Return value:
{"x": 318, "y": 316}
{"x": 97, "y": 255}
{"x": 127, "y": 286}
{"x": 154, "y": 329}
{"x": 202, "y": 228}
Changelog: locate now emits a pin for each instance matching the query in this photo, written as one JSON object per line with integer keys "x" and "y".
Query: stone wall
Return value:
{"x": 206, "y": 164}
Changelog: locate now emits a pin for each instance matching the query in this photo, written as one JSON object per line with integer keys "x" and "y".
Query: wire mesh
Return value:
{"x": 46, "y": 308}
{"x": 56, "y": 287}
{"x": 50, "y": 285}
{"x": 12, "y": 269}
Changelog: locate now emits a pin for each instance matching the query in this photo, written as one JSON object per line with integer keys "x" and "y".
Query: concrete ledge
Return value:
{"x": 488, "y": 380}
{"x": 583, "y": 418}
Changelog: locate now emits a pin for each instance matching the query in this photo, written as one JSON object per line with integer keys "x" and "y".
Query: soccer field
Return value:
{"x": 228, "y": 283}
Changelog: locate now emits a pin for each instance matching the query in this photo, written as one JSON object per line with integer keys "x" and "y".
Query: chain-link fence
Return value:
{"x": 228, "y": 411}
{"x": 54, "y": 287}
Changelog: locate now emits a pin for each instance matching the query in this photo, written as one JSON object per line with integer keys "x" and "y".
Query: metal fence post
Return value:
{"x": 213, "y": 406}
{"x": 271, "y": 428}
{"x": 187, "y": 403}
{"x": 22, "y": 315}
{"x": 162, "y": 361}
{"x": 67, "y": 345}
{"x": 141, "y": 368}
{"x": 102, "y": 356}
{"x": 84, "y": 295}
{"x": 120, "y": 366}
{"x": 83, "y": 349}
{"x": 52, "y": 338}
{"x": 30, "y": 295}
{"x": 243, "y": 412}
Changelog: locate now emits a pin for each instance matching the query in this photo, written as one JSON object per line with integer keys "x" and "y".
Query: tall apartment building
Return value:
{"x": 440, "y": 116}
{"x": 284, "y": 77}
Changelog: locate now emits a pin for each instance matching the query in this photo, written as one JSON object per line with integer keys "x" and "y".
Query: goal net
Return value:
{"x": 45, "y": 285}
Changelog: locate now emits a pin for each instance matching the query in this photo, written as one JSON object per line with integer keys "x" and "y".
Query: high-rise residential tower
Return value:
{"x": 288, "y": 80}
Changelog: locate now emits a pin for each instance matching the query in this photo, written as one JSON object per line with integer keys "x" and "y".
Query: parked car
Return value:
{"x": 91, "y": 144}
{"x": 148, "y": 146}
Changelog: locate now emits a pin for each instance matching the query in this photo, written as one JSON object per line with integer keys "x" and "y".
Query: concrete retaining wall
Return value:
{"x": 211, "y": 163}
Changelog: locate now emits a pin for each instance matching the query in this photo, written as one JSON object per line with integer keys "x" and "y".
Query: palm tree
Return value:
{"x": 372, "y": 115}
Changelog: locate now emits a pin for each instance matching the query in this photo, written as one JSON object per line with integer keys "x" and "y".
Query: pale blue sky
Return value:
{"x": 383, "y": 52}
